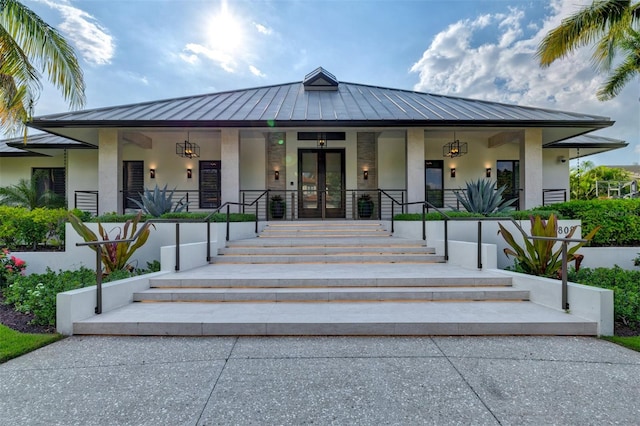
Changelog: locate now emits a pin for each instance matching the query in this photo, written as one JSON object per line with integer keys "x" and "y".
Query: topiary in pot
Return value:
{"x": 277, "y": 207}
{"x": 365, "y": 206}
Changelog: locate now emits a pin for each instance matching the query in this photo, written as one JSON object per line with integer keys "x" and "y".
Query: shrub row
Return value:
{"x": 625, "y": 285}
{"x": 33, "y": 228}
{"x": 36, "y": 293}
{"x": 515, "y": 214}
{"x": 217, "y": 217}
{"x": 619, "y": 219}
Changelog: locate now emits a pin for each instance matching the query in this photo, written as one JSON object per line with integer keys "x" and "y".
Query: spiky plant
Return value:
{"x": 159, "y": 201}
{"x": 482, "y": 197}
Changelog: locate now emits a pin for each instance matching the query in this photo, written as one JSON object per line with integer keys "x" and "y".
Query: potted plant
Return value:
{"x": 365, "y": 206}
{"x": 277, "y": 207}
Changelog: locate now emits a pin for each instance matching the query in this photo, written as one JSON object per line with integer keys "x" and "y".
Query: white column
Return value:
{"x": 531, "y": 169}
{"x": 230, "y": 167}
{"x": 109, "y": 172}
{"x": 415, "y": 167}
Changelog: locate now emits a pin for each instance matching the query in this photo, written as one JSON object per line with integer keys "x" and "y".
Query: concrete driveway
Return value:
{"x": 320, "y": 380}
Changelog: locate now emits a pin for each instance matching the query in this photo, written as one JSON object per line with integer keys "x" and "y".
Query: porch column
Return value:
{"x": 415, "y": 167}
{"x": 109, "y": 172}
{"x": 230, "y": 158}
{"x": 531, "y": 169}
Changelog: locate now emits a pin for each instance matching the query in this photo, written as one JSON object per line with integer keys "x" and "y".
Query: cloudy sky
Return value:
{"x": 141, "y": 50}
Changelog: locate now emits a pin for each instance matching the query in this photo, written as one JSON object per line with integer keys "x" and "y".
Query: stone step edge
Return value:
{"x": 337, "y": 329}
{"x": 318, "y": 283}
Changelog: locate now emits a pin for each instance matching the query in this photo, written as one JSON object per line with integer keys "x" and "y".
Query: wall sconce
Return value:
{"x": 152, "y": 173}
{"x": 365, "y": 174}
{"x": 488, "y": 172}
{"x": 189, "y": 174}
{"x": 453, "y": 172}
{"x": 276, "y": 175}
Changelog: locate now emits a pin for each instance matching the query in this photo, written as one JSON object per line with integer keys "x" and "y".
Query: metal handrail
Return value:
{"x": 207, "y": 219}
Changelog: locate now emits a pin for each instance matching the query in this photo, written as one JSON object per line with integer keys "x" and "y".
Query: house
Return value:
{"x": 320, "y": 143}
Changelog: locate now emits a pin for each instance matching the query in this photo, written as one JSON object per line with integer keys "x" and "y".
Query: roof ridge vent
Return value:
{"x": 320, "y": 79}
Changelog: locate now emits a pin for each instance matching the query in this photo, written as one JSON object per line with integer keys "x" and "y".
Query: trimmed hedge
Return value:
{"x": 619, "y": 218}
{"x": 625, "y": 285}
{"x": 34, "y": 228}
{"x": 515, "y": 214}
{"x": 217, "y": 217}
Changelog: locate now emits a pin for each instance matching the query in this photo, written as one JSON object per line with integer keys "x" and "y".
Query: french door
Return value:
{"x": 321, "y": 183}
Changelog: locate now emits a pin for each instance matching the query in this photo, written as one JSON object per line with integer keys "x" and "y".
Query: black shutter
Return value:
{"x": 132, "y": 182}
{"x": 209, "y": 184}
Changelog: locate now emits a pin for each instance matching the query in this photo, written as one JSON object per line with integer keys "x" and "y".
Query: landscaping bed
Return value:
{"x": 19, "y": 321}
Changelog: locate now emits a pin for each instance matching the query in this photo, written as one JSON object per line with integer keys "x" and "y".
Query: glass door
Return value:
{"x": 434, "y": 182}
{"x": 509, "y": 176}
{"x": 321, "y": 183}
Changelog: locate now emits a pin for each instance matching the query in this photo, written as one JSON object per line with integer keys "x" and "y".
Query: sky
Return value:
{"x": 144, "y": 50}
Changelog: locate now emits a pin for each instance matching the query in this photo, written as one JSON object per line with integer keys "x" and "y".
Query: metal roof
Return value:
{"x": 15, "y": 147}
{"x": 290, "y": 105}
{"x": 588, "y": 141}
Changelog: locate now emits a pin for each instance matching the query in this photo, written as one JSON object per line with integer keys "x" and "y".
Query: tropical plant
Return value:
{"x": 612, "y": 25}
{"x": 583, "y": 178}
{"x": 159, "y": 201}
{"x": 482, "y": 197}
{"x": 538, "y": 257}
{"x": 31, "y": 46}
{"x": 26, "y": 194}
{"x": 115, "y": 256}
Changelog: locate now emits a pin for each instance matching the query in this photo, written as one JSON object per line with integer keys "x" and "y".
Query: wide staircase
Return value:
{"x": 332, "y": 278}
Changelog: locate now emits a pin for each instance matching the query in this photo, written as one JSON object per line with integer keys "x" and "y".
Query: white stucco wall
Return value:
{"x": 12, "y": 169}
{"x": 252, "y": 161}
{"x": 392, "y": 160}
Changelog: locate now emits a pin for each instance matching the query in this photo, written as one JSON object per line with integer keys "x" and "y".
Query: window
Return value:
{"x": 50, "y": 179}
{"x": 132, "y": 182}
{"x": 209, "y": 184}
{"x": 508, "y": 175}
{"x": 434, "y": 183}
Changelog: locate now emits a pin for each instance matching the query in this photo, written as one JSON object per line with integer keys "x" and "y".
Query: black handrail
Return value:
{"x": 207, "y": 219}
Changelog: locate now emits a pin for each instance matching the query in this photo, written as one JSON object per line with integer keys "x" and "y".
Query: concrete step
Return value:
{"x": 327, "y": 242}
{"x": 322, "y": 250}
{"x": 335, "y": 319}
{"x": 330, "y": 294}
{"x": 336, "y": 278}
{"x": 331, "y": 258}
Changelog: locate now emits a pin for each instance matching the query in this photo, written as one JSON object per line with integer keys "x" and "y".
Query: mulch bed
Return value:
{"x": 19, "y": 321}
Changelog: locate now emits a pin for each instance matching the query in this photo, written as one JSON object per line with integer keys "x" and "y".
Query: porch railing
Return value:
{"x": 553, "y": 196}
{"x": 86, "y": 201}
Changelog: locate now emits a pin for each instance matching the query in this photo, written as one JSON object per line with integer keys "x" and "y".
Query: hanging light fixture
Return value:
{"x": 454, "y": 148}
{"x": 187, "y": 149}
{"x": 322, "y": 140}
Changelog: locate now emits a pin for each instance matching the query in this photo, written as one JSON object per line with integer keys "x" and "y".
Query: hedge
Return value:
{"x": 619, "y": 219}
{"x": 21, "y": 227}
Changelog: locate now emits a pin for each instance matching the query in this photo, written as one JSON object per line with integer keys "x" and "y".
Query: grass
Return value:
{"x": 628, "y": 342}
{"x": 13, "y": 343}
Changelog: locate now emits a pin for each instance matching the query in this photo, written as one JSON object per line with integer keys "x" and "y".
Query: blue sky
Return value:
{"x": 142, "y": 50}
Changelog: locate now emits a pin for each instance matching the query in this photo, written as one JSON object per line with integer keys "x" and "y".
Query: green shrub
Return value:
{"x": 619, "y": 219}
{"x": 36, "y": 293}
{"x": 625, "y": 285}
{"x": 515, "y": 214}
{"x": 20, "y": 226}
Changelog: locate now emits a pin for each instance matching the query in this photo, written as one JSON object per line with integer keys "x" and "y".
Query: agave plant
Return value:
{"x": 538, "y": 257}
{"x": 482, "y": 197}
{"x": 115, "y": 256}
{"x": 159, "y": 201}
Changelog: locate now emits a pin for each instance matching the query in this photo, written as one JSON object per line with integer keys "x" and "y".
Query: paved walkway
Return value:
{"x": 339, "y": 380}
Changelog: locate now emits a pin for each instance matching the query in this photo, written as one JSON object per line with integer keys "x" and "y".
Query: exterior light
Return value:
{"x": 152, "y": 173}
{"x": 453, "y": 172}
{"x": 365, "y": 175}
{"x": 189, "y": 174}
{"x": 276, "y": 175}
{"x": 488, "y": 172}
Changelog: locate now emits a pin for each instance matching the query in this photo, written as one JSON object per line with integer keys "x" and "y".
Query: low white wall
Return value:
{"x": 467, "y": 231}
{"x": 79, "y": 304}
{"x": 588, "y": 302}
{"x": 608, "y": 257}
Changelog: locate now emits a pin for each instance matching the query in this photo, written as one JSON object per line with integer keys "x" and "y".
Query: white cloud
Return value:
{"x": 255, "y": 71}
{"x": 262, "y": 29}
{"x": 194, "y": 50}
{"x": 93, "y": 42}
{"x": 503, "y": 68}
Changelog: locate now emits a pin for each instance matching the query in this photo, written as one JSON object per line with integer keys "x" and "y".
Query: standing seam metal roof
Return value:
{"x": 292, "y": 103}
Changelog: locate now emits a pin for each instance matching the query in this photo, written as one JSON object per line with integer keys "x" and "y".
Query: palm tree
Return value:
{"x": 27, "y": 194}
{"x": 28, "y": 46}
{"x": 612, "y": 25}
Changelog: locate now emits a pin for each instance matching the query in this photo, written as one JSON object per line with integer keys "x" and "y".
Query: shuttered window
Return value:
{"x": 209, "y": 184}
{"x": 50, "y": 179}
{"x": 132, "y": 182}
